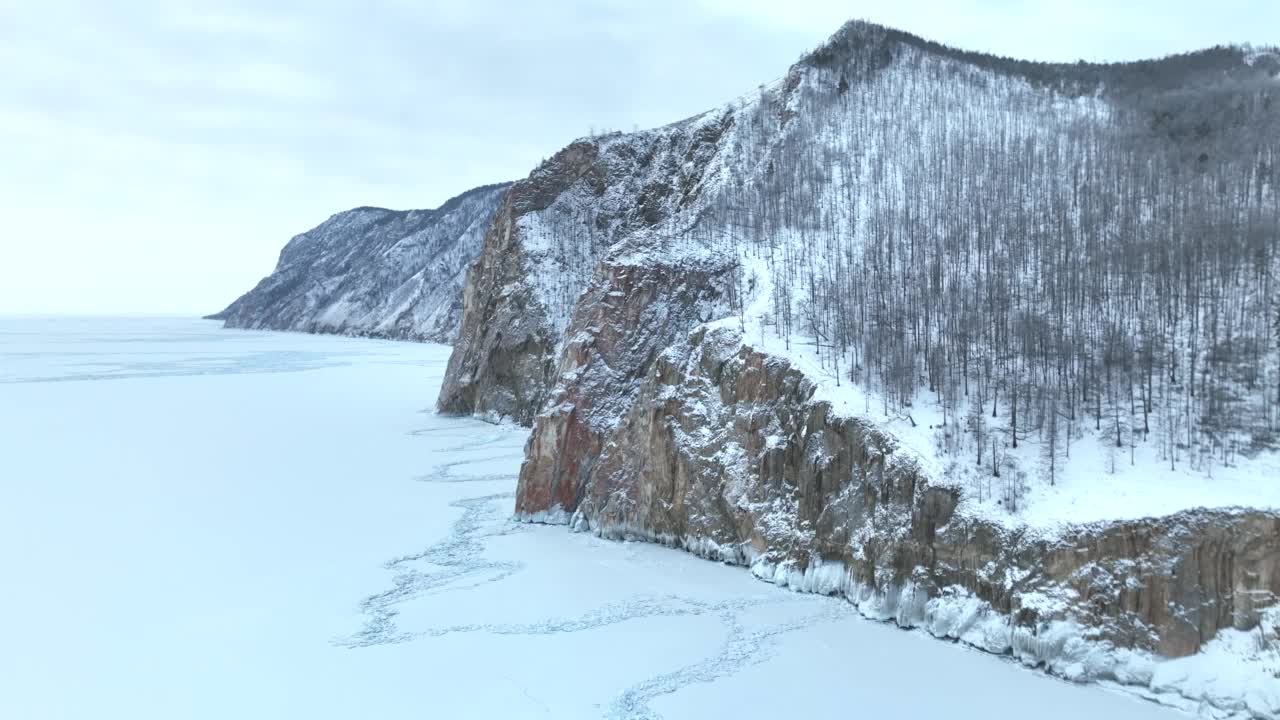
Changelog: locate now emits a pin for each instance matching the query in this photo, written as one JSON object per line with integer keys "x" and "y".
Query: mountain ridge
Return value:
{"x": 855, "y": 35}
{"x": 373, "y": 271}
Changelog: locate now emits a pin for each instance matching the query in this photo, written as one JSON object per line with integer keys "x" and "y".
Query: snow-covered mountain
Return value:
{"x": 988, "y": 346}
{"x": 374, "y": 272}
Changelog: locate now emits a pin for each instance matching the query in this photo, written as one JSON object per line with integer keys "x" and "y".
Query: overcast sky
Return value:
{"x": 155, "y": 155}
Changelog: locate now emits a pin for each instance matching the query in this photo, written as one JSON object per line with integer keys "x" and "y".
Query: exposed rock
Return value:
{"x": 699, "y": 441}
{"x": 623, "y": 321}
{"x": 725, "y": 453}
{"x": 374, "y": 272}
{"x": 769, "y": 165}
{"x": 545, "y": 243}
{"x": 602, "y": 311}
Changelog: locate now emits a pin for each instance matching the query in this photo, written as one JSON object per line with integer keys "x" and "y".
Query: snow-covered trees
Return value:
{"x": 1071, "y": 247}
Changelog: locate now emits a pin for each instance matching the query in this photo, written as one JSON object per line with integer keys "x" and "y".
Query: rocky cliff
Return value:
{"x": 543, "y": 246}
{"x": 374, "y": 272}
{"x": 727, "y": 453}
{"x": 698, "y": 440}
{"x": 909, "y": 213}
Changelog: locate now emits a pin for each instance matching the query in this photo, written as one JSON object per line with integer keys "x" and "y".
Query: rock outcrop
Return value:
{"x": 374, "y": 272}
{"x": 726, "y": 453}
{"x": 622, "y": 324}
{"x": 544, "y": 245}
{"x": 608, "y": 310}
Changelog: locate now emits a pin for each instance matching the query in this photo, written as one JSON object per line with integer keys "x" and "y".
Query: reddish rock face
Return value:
{"x": 617, "y": 332}
{"x": 554, "y": 462}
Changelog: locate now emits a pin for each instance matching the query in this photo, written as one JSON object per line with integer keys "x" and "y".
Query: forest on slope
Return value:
{"x": 1038, "y": 264}
{"x": 1031, "y": 253}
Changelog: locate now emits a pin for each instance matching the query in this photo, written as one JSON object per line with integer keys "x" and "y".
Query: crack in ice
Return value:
{"x": 741, "y": 649}
{"x": 443, "y": 473}
{"x": 460, "y": 556}
{"x": 611, "y": 614}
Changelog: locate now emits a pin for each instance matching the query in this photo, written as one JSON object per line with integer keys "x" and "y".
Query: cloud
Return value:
{"x": 159, "y": 153}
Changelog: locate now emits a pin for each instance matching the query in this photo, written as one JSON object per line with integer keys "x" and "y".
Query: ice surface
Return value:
{"x": 199, "y": 523}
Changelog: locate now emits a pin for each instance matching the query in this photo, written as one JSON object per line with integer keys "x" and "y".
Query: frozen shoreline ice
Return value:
{"x": 202, "y": 544}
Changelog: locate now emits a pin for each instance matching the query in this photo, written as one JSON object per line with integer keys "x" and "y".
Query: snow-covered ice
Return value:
{"x": 201, "y": 523}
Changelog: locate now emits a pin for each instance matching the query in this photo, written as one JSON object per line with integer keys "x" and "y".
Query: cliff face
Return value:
{"x": 726, "y": 453}
{"x": 622, "y": 323}
{"x": 634, "y": 296}
{"x": 543, "y": 247}
{"x": 374, "y": 272}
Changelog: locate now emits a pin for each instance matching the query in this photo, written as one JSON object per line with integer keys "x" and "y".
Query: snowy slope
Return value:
{"x": 374, "y": 272}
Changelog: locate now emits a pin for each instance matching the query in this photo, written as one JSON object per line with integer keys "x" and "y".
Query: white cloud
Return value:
{"x": 274, "y": 81}
{"x": 158, "y": 153}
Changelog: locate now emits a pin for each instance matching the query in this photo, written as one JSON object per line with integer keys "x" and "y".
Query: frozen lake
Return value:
{"x": 207, "y": 523}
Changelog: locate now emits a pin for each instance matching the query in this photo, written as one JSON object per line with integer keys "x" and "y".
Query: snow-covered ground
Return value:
{"x": 205, "y": 523}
